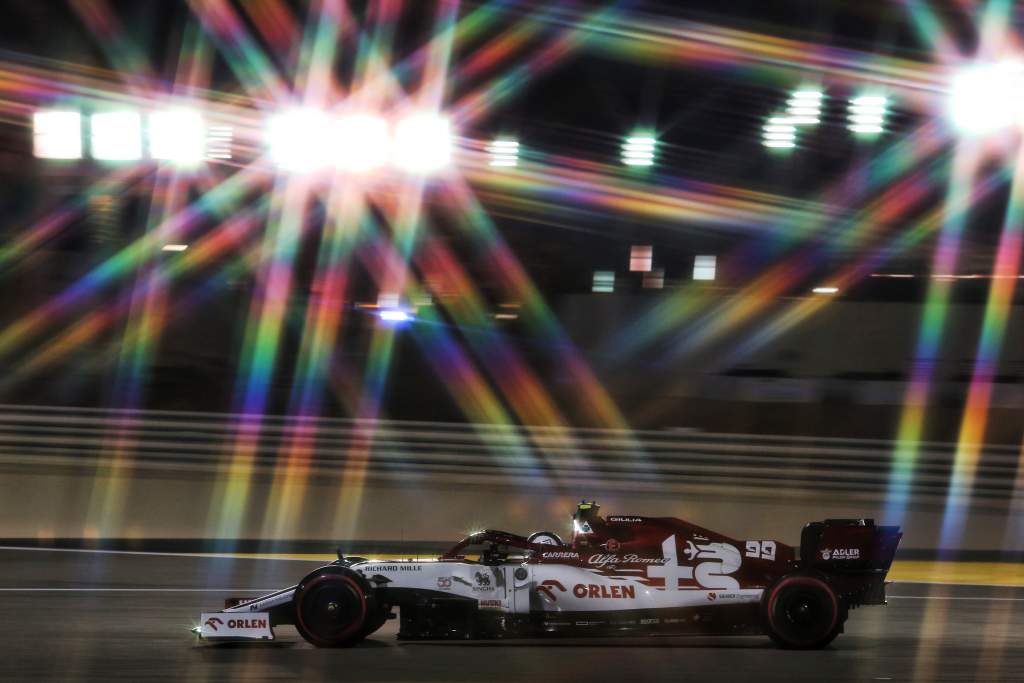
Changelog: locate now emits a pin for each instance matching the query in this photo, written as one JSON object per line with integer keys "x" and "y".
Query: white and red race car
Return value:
{"x": 621, "y": 574}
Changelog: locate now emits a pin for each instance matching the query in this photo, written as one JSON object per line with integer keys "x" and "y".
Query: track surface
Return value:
{"x": 132, "y": 623}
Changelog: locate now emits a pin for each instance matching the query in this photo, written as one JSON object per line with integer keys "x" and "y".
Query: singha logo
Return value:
{"x": 482, "y": 579}
{"x": 213, "y": 621}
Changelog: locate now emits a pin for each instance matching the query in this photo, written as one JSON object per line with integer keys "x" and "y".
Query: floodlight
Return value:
{"x": 604, "y": 281}
{"x": 422, "y": 143}
{"x": 640, "y": 258}
{"x": 638, "y": 150}
{"x": 867, "y": 114}
{"x": 299, "y": 140}
{"x": 360, "y": 142}
{"x": 987, "y": 98}
{"x": 804, "y": 107}
{"x": 503, "y": 152}
{"x": 779, "y": 132}
{"x": 116, "y": 136}
{"x": 57, "y": 134}
{"x": 218, "y": 141}
{"x": 705, "y": 267}
{"x": 655, "y": 279}
{"x": 177, "y": 135}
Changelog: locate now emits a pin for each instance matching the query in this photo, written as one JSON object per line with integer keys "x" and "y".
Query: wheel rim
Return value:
{"x": 331, "y": 609}
{"x": 803, "y": 611}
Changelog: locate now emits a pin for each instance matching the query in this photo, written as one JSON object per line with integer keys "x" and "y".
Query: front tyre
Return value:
{"x": 802, "y": 612}
{"x": 333, "y": 606}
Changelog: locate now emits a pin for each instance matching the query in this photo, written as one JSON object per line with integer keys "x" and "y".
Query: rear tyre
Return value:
{"x": 333, "y": 606}
{"x": 801, "y": 612}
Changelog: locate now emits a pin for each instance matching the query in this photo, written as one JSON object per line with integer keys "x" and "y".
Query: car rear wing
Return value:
{"x": 849, "y": 546}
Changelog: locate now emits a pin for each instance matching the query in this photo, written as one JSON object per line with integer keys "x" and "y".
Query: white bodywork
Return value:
{"x": 697, "y": 576}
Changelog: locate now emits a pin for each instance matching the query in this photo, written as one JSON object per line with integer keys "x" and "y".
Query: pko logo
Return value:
{"x": 840, "y": 554}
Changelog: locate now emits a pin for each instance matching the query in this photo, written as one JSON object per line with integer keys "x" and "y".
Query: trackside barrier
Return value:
{"x": 42, "y": 438}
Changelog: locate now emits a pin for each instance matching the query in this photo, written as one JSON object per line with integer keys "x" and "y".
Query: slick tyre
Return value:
{"x": 333, "y": 607}
{"x": 801, "y": 612}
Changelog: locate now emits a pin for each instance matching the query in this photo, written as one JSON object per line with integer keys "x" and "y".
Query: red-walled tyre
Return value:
{"x": 801, "y": 611}
{"x": 333, "y": 606}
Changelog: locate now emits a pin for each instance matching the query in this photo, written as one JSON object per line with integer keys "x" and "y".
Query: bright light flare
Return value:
{"x": 178, "y": 136}
{"x": 116, "y": 136}
{"x": 360, "y": 142}
{"x": 394, "y": 316}
{"x": 174, "y": 247}
{"x": 422, "y": 143}
{"x": 988, "y": 98}
{"x": 57, "y": 134}
{"x": 299, "y": 140}
{"x": 825, "y": 290}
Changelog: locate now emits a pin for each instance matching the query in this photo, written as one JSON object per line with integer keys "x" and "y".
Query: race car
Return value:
{"x": 624, "y": 574}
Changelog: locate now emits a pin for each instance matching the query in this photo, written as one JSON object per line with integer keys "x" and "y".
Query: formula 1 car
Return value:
{"x": 624, "y": 574}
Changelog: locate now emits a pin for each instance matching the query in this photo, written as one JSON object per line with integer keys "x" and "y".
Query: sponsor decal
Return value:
{"x": 648, "y": 622}
{"x": 240, "y": 625}
{"x": 840, "y": 554}
{"x": 712, "y": 596}
{"x": 489, "y": 604}
{"x": 560, "y": 555}
{"x": 625, "y": 520}
{"x": 590, "y": 590}
{"x": 719, "y": 560}
{"x": 444, "y": 582}
{"x": 610, "y": 560}
{"x": 546, "y": 586}
{"x": 612, "y": 545}
{"x": 483, "y": 583}
{"x": 406, "y": 567}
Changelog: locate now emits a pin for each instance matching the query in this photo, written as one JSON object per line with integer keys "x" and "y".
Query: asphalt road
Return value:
{"x": 93, "y": 616}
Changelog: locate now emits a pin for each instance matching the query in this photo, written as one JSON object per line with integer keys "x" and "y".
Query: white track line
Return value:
{"x": 956, "y": 583}
{"x": 221, "y": 556}
{"x": 950, "y": 597}
{"x": 255, "y": 591}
